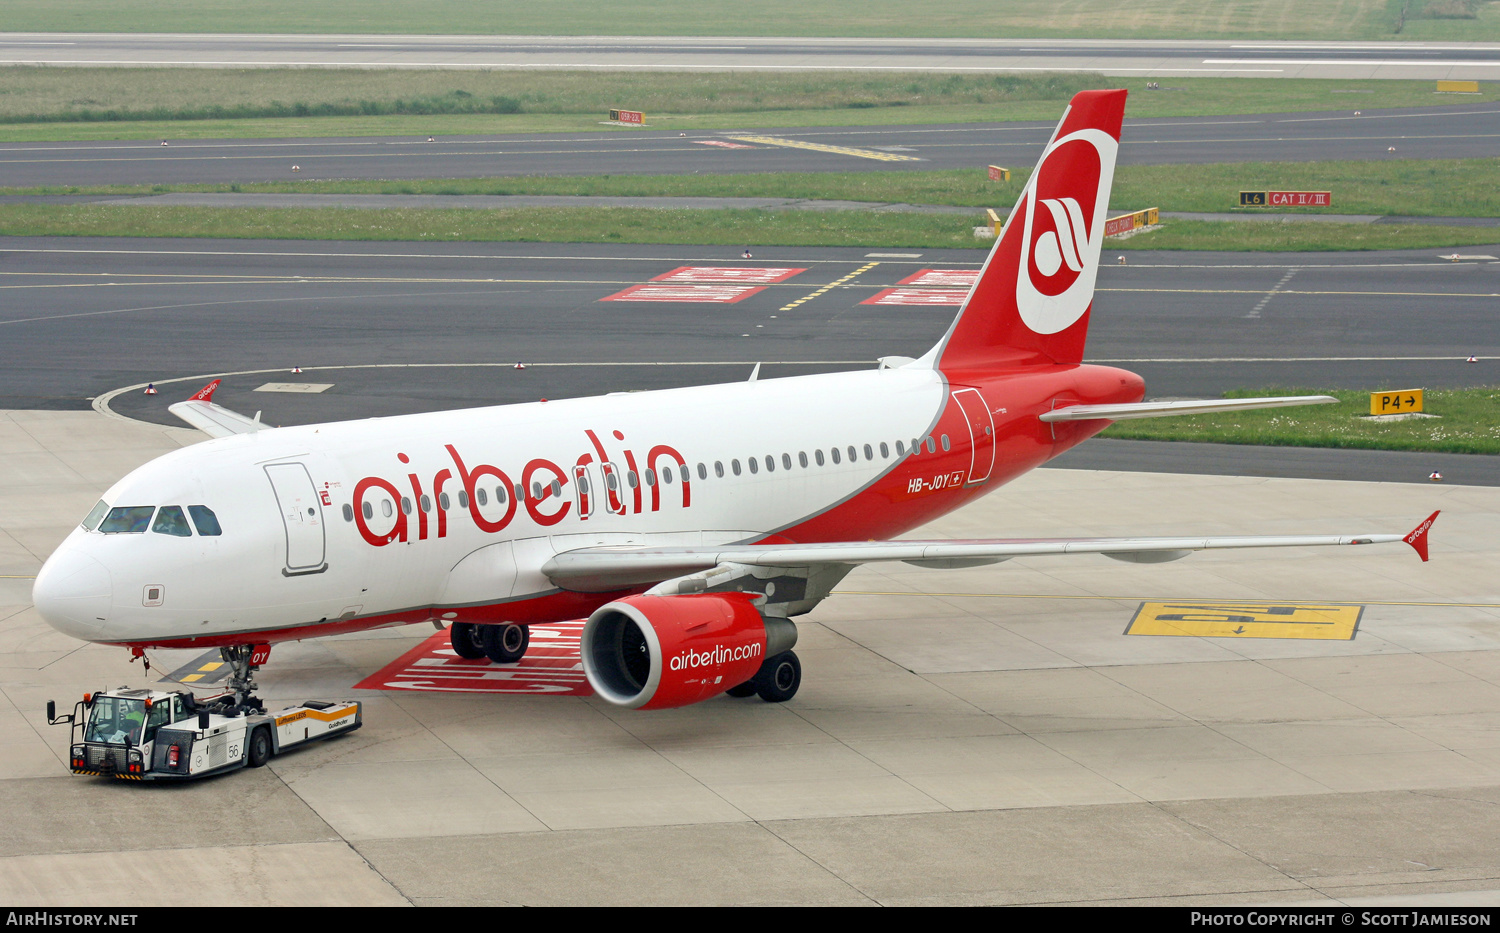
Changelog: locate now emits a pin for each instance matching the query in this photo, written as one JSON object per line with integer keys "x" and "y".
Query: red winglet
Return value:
{"x": 206, "y": 394}
{"x": 1418, "y": 537}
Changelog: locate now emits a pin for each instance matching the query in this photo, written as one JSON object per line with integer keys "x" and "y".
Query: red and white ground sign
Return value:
{"x": 942, "y": 278}
{"x": 711, "y": 294}
{"x": 917, "y": 296}
{"x": 552, "y": 667}
{"x": 718, "y": 274}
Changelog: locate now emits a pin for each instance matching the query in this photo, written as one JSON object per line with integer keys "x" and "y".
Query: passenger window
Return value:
{"x": 557, "y": 487}
{"x": 818, "y": 456}
{"x": 735, "y": 466}
{"x": 946, "y": 445}
{"x": 853, "y": 455}
{"x": 369, "y": 511}
{"x": 612, "y": 481}
{"x": 500, "y": 496}
{"x": 463, "y": 499}
{"x": 171, "y": 521}
{"x": 885, "y": 451}
{"x": 719, "y": 468}
{"x": 834, "y": 453}
{"x": 127, "y": 520}
{"x": 425, "y": 502}
{"x": 480, "y": 495}
{"x": 650, "y": 477}
{"x": 385, "y": 507}
{"x": 900, "y": 449}
{"x": 754, "y": 464}
{"x": 444, "y": 502}
{"x": 869, "y": 454}
{"x": 348, "y": 512}
{"x": 703, "y": 471}
{"x": 931, "y": 446}
{"x": 802, "y": 458}
{"x": 631, "y": 479}
{"x": 95, "y": 516}
{"x": 205, "y": 521}
{"x": 770, "y": 464}
{"x": 405, "y": 505}
{"x": 536, "y": 489}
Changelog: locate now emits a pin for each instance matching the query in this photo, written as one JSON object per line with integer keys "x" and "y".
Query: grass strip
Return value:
{"x": 1468, "y": 423}
{"x": 45, "y": 103}
{"x": 701, "y": 227}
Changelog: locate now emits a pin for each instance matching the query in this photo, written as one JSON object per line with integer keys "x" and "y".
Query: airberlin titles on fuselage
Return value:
{"x": 492, "y": 496}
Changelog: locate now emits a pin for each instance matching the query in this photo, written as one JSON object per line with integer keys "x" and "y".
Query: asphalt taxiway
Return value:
{"x": 1449, "y": 132}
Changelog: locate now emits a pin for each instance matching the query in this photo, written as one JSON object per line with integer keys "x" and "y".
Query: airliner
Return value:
{"x": 688, "y": 526}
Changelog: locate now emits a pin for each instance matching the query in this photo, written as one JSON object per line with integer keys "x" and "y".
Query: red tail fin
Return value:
{"x": 1032, "y": 300}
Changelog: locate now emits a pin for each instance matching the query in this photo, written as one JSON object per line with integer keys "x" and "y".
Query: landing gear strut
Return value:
{"x": 242, "y": 675}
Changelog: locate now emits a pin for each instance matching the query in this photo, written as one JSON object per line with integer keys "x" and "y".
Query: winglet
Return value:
{"x": 1418, "y": 537}
{"x": 206, "y": 394}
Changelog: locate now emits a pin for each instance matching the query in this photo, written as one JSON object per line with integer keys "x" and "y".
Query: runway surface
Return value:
{"x": 1145, "y": 58}
{"x": 1448, "y": 132}
{"x": 400, "y": 328}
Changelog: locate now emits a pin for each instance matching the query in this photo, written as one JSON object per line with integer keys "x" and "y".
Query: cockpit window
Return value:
{"x": 96, "y": 515}
{"x": 205, "y": 520}
{"x": 171, "y": 521}
{"x": 127, "y": 519}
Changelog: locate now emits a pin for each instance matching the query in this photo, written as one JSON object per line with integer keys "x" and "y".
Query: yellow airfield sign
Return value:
{"x": 1396, "y": 402}
{"x": 1245, "y": 620}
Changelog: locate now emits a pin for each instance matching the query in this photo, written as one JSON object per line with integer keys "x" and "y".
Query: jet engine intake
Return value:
{"x": 658, "y": 652}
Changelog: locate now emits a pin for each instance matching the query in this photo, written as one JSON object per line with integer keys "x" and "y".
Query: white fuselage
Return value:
{"x": 385, "y": 521}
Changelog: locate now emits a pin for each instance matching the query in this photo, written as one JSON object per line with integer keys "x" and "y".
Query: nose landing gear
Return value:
{"x": 244, "y": 661}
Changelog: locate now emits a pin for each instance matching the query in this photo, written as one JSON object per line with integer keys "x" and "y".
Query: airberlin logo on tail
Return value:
{"x": 1064, "y": 229}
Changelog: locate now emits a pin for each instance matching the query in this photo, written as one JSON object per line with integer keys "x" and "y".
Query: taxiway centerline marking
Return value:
{"x": 831, "y": 285}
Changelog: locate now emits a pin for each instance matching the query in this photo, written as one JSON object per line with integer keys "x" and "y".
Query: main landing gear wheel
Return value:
{"x": 778, "y": 679}
{"x": 746, "y": 689}
{"x": 467, "y": 640}
{"x": 505, "y": 644}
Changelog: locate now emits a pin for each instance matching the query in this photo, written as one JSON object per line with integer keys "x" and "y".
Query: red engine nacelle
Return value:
{"x": 657, "y": 652}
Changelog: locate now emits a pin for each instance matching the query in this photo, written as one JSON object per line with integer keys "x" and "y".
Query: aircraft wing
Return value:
{"x": 214, "y": 420}
{"x": 1125, "y": 412}
{"x": 601, "y": 569}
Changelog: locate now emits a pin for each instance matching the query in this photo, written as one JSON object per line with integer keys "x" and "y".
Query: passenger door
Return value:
{"x": 301, "y": 515}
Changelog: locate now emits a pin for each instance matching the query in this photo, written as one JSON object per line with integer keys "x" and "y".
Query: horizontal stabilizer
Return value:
{"x": 1189, "y": 407}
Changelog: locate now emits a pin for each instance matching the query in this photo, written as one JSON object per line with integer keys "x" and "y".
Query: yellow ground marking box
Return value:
{"x": 1395, "y": 402}
{"x": 1247, "y": 619}
{"x": 1458, "y": 87}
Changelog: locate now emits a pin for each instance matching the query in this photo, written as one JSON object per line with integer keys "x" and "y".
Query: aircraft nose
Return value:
{"x": 72, "y": 593}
